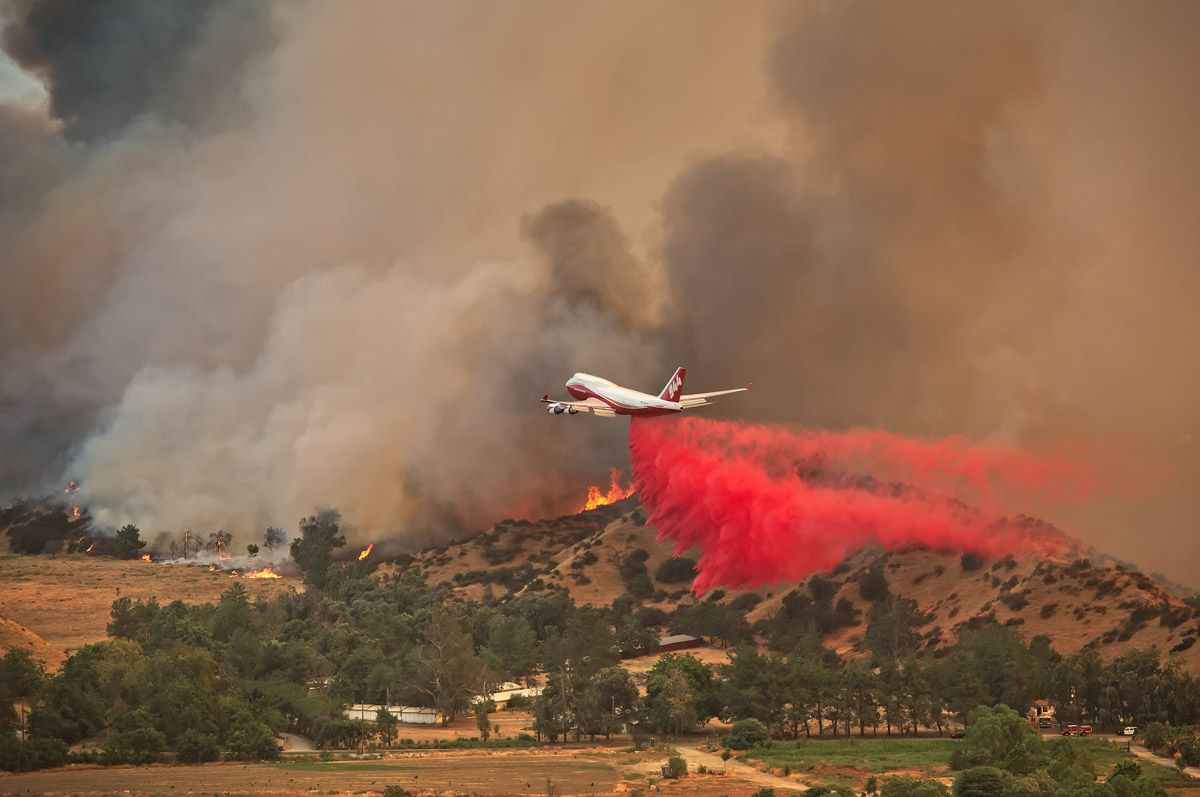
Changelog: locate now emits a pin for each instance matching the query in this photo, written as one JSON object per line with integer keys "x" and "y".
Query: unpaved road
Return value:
{"x": 696, "y": 757}
{"x": 1148, "y": 755}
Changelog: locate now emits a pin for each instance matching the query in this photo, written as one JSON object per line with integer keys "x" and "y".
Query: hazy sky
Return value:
{"x": 263, "y": 257}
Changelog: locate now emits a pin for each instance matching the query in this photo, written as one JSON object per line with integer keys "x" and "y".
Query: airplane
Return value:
{"x": 599, "y": 396}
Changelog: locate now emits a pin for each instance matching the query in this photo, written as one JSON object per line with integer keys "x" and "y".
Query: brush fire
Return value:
{"x": 365, "y": 552}
{"x": 615, "y": 493}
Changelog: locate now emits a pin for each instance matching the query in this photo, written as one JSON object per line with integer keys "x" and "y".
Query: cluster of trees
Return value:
{"x": 221, "y": 680}
{"x": 1003, "y": 756}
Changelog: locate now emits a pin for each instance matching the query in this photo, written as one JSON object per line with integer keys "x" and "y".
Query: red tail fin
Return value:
{"x": 674, "y": 388}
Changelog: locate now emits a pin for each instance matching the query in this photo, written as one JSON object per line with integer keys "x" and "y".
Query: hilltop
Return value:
{"x": 1078, "y": 603}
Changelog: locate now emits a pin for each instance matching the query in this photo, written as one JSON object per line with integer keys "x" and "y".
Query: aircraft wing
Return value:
{"x": 690, "y": 400}
{"x": 594, "y": 406}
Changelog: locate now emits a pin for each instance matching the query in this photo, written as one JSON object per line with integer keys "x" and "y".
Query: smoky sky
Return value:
{"x": 264, "y": 257}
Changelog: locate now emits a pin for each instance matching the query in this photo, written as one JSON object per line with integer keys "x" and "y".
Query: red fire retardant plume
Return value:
{"x": 766, "y": 504}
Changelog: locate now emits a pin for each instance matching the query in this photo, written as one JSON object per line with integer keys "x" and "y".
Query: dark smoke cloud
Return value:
{"x": 315, "y": 253}
{"x": 977, "y": 228}
{"x": 108, "y": 62}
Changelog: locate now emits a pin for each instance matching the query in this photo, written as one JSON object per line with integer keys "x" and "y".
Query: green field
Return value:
{"x": 869, "y": 756}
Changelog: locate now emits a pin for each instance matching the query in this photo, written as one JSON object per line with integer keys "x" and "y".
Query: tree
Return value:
{"x": 753, "y": 686}
{"x": 673, "y": 706}
{"x": 714, "y": 620}
{"x": 128, "y": 542}
{"x": 587, "y": 643}
{"x": 913, "y": 787}
{"x": 746, "y": 734}
{"x": 21, "y": 675}
{"x": 313, "y": 549}
{"x": 386, "y": 723}
{"x": 273, "y": 536}
{"x": 197, "y": 747}
{"x": 632, "y": 570}
{"x": 252, "y": 550}
{"x": 981, "y": 782}
{"x": 1004, "y": 665}
{"x": 664, "y": 693}
{"x": 999, "y": 737}
{"x": 676, "y": 767}
{"x": 633, "y": 637}
{"x": 676, "y": 570}
{"x": 513, "y": 643}
{"x": 251, "y": 740}
{"x": 614, "y": 695}
{"x": 891, "y": 628}
{"x": 136, "y": 741}
{"x": 446, "y": 668}
{"x": 482, "y": 722}
{"x": 873, "y": 583}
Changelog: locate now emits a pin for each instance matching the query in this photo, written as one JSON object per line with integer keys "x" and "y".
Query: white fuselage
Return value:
{"x": 621, "y": 400}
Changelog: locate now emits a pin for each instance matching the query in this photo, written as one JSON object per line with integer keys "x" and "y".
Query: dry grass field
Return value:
{"x": 474, "y": 773}
{"x": 56, "y": 604}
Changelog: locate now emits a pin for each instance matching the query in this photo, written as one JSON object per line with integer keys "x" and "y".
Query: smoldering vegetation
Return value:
{"x": 264, "y": 257}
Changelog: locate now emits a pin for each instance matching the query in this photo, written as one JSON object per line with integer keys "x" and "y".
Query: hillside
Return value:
{"x": 55, "y": 604}
{"x": 1077, "y": 603}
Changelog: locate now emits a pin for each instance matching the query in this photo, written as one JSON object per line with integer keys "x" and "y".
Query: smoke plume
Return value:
{"x": 765, "y": 504}
{"x": 261, "y": 257}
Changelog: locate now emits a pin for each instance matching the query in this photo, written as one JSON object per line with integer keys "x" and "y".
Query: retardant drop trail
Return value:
{"x": 767, "y": 504}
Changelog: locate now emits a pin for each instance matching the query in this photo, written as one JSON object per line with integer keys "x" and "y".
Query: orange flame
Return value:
{"x": 90, "y": 547}
{"x": 615, "y": 492}
{"x": 146, "y": 558}
{"x": 366, "y": 552}
{"x": 75, "y": 512}
{"x": 266, "y": 572}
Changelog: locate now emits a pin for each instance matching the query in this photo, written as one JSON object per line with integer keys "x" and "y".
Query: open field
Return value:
{"x": 501, "y": 773}
{"x": 849, "y": 762}
{"x": 56, "y": 604}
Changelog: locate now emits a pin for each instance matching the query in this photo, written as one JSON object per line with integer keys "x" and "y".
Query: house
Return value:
{"x": 667, "y": 644}
{"x": 507, "y": 691}
{"x": 1041, "y": 709}
{"x": 407, "y": 715}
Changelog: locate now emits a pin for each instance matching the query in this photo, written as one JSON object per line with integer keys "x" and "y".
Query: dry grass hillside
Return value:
{"x": 56, "y": 604}
{"x": 1075, "y": 602}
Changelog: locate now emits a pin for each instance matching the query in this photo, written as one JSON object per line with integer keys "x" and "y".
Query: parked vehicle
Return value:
{"x": 1129, "y": 730}
{"x": 1076, "y": 730}
{"x": 1045, "y": 722}
{"x": 958, "y": 735}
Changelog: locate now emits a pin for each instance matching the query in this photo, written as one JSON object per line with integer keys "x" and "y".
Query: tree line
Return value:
{"x": 220, "y": 680}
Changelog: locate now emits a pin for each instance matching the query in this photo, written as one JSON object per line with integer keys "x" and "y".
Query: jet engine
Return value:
{"x": 559, "y": 409}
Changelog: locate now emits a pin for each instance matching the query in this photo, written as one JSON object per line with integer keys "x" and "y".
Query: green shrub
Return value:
{"x": 913, "y": 787}
{"x": 747, "y": 733}
{"x": 981, "y": 782}
{"x": 970, "y": 561}
{"x": 676, "y": 767}
{"x": 676, "y": 570}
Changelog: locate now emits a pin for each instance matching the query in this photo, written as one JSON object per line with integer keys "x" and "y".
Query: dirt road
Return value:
{"x": 1148, "y": 755}
{"x": 696, "y": 757}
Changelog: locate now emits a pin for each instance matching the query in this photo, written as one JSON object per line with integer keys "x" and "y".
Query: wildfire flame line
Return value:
{"x": 366, "y": 552}
{"x": 615, "y": 493}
